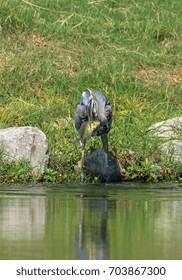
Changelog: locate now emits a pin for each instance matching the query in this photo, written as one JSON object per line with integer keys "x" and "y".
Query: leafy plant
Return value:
{"x": 50, "y": 175}
{"x": 15, "y": 172}
{"x": 146, "y": 170}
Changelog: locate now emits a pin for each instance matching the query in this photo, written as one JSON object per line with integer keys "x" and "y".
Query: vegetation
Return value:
{"x": 50, "y": 51}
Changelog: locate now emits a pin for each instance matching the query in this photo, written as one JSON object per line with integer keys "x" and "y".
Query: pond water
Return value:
{"x": 120, "y": 221}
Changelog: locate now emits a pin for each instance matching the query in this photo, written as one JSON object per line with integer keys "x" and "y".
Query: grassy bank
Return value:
{"x": 50, "y": 51}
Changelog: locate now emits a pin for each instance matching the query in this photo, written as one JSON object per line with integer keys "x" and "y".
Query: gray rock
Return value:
{"x": 25, "y": 142}
{"x": 171, "y": 128}
{"x": 170, "y": 131}
{"x": 173, "y": 150}
{"x": 95, "y": 166}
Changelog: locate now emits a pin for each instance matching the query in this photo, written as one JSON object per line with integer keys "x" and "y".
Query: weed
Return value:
{"x": 16, "y": 172}
{"x": 145, "y": 170}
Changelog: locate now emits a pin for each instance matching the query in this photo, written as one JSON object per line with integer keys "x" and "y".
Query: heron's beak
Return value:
{"x": 88, "y": 113}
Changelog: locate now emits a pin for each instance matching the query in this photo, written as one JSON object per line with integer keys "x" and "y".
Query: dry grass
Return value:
{"x": 158, "y": 76}
{"x": 5, "y": 60}
{"x": 34, "y": 47}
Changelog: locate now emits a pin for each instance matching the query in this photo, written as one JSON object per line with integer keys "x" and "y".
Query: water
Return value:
{"x": 121, "y": 221}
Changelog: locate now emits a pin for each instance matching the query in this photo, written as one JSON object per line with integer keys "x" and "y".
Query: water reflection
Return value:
{"x": 96, "y": 222}
{"x": 23, "y": 219}
{"x": 92, "y": 237}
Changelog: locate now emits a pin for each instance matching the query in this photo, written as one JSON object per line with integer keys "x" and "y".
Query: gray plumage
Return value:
{"x": 94, "y": 106}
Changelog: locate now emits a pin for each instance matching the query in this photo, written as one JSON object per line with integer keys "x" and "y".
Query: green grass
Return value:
{"x": 50, "y": 51}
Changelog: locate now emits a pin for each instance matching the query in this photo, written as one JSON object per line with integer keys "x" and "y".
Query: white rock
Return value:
{"x": 170, "y": 131}
{"x": 173, "y": 150}
{"x": 169, "y": 128}
{"x": 25, "y": 142}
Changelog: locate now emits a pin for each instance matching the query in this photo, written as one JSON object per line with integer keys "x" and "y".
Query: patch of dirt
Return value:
{"x": 35, "y": 40}
{"x": 156, "y": 76}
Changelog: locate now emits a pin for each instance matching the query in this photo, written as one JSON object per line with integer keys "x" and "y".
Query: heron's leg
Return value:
{"x": 104, "y": 139}
{"x": 82, "y": 160}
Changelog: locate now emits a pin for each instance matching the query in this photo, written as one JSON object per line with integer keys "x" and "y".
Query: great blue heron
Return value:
{"x": 94, "y": 106}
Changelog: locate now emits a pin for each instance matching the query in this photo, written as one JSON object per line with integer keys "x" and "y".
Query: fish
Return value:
{"x": 87, "y": 128}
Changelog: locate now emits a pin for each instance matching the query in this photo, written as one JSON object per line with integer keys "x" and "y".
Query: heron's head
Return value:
{"x": 102, "y": 110}
{"x": 98, "y": 108}
{"x": 87, "y": 97}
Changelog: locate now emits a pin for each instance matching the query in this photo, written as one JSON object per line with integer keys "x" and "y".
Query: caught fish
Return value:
{"x": 87, "y": 128}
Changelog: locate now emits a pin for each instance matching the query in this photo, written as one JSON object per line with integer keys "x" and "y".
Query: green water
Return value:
{"x": 122, "y": 221}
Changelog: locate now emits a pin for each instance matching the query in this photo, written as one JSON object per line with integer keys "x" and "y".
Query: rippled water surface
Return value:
{"x": 121, "y": 221}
